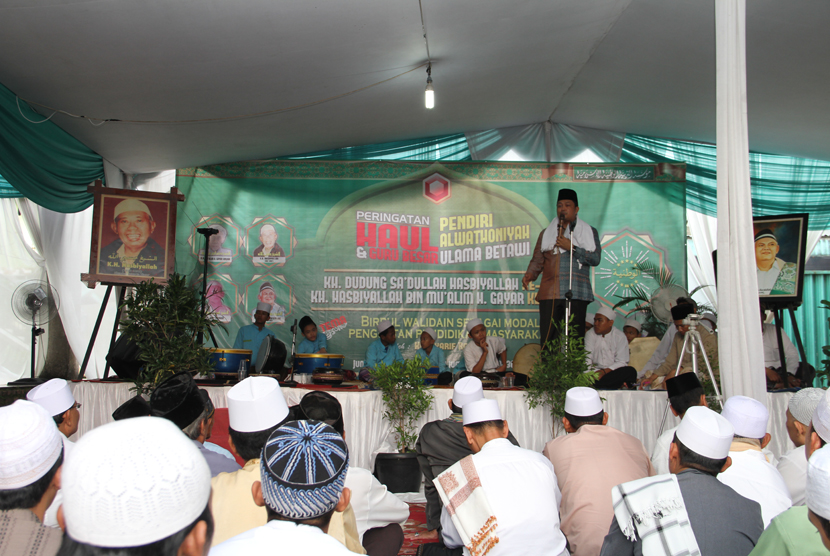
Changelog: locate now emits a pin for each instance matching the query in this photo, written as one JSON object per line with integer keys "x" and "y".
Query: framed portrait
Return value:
{"x": 223, "y": 246}
{"x": 780, "y": 255}
{"x": 133, "y": 236}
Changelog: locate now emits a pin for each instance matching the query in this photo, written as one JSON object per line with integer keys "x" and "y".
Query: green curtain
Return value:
{"x": 42, "y": 161}
{"x": 780, "y": 184}
{"x": 445, "y": 147}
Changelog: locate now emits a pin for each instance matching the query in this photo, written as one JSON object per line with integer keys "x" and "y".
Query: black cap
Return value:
{"x": 177, "y": 399}
{"x": 680, "y": 312}
{"x": 681, "y": 384}
{"x": 766, "y": 232}
{"x": 568, "y": 195}
{"x": 207, "y": 402}
{"x": 305, "y": 321}
{"x": 134, "y": 407}
{"x": 322, "y": 406}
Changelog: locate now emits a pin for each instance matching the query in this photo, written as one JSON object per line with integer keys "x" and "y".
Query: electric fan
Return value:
{"x": 36, "y": 303}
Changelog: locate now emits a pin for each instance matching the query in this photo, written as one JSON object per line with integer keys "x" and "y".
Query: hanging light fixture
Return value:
{"x": 429, "y": 93}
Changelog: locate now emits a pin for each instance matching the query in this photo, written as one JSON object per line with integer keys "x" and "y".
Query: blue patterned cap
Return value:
{"x": 303, "y": 469}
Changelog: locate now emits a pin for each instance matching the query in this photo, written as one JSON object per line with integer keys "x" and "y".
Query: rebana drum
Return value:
{"x": 306, "y": 363}
{"x": 226, "y": 361}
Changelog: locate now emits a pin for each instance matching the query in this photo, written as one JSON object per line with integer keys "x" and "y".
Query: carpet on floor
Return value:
{"x": 414, "y": 530}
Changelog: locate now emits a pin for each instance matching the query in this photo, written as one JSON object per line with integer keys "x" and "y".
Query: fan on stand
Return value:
{"x": 36, "y": 303}
{"x": 663, "y": 300}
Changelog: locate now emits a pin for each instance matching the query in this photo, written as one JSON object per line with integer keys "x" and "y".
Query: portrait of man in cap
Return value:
{"x": 268, "y": 295}
{"x": 133, "y": 251}
{"x": 775, "y": 275}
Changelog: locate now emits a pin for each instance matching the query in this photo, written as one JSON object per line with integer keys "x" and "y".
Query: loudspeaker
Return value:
{"x": 124, "y": 358}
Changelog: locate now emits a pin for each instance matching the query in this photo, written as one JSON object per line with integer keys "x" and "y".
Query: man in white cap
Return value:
{"x": 793, "y": 464}
{"x": 432, "y": 353}
{"x": 589, "y": 321}
{"x": 818, "y": 493}
{"x": 777, "y": 375}
{"x": 632, "y": 329}
{"x": 710, "y": 321}
{"x": 251, "y": 336}
{"x": 484, "y": 354}
{"x": 684, "y": 391}
{"x": 31, "y": 454}
{"x": 751, "y": 474}
{"x": 134, "y": 252}
{"x": 384, "y": 349}
{"x": 442, "y": 443}
{"x": 502, "y": 499}
{"x": 608, "y": 353}
{"x": 256, "y": 407}
{"x": 301, "y": 484}
{"x": 136, "y": 486}
{"x": 663, "y": 348}
{"x": 689, "y": 511}
{"x": 590, "y": 460}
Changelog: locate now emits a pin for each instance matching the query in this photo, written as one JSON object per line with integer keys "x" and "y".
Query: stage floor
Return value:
{"x": 367, "y": 432}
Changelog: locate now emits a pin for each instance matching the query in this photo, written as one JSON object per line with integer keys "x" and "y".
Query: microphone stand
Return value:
{"x": 289, "y": 380}
{"x": 569, "y": 294}
{"x": 207, "y": 232}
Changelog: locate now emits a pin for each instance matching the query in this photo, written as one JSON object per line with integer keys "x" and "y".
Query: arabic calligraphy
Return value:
{"x": 593, "y": 173}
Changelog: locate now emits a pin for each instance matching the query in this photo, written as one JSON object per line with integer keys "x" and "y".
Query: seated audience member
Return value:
{"x": 256, "y": 407}
{"x": 818, "y": 493}
{"x": 56, "y": 398}
{"x": 302, "y": 478}
{"x": 589, "y": 321}
{"x": 632, "y": 329}
{"x": 608, "y": 354}
{"x": 662, "y": 350}
{"x": 31, "y": 454}
{"x": 689, "y": 511}
{"x": 684, "y": 391}
{"x": 710, "y": 321}
{"x": 487, "y": 354}
{"x": 442, "y": 443}
{"x": 372, "y": 520}
{"x": 135, "y": 487}
{"x": 751, "y": 474}
{"x": 432, "y": 353}
{"x": 179, "y": 400}
{"x": 777, "y": 376}
{"x": 383, "y": 350}
{"x": 793, "y": 464}
{"x": 680, "y": 313}
{"x": 589, "y": 461}
{"x": 502, "y": 497}
{"x": 136, "y": 406}
{"x": 313, "y": 341}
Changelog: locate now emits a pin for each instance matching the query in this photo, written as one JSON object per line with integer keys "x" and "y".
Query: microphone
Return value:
{"x": 573, "y": 225}
{"x": 207, "y": 231}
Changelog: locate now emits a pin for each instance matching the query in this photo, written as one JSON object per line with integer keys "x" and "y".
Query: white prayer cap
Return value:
{"x": 607, "y": 312}
{"x": 383, "y": 326}
{"x": 633, "y": 323}
{"x": 821, "y": 417}
{"x": 747, "y": 415}
{"x": 467, "y": 390}
{"x": 262, "y": 306}
{"x": 133, "y": 482}
{"x": 472, "y": 323}
{"x": 582, "y": 402}
{"x": 480, "y": 411}
{"x": 130, "y": 205}
{"x": 431, "y": 332}
{"x": 256, "y": 404}
{"x": 705, "y": 433}
{"x": 710, "y": 317}
{"x": 589, "y": 318}
{"x": 29, "y": 444}
{"x": 804, "y": 403}
{"x": 818, "y": 482}
{"x": 54, "y": 396}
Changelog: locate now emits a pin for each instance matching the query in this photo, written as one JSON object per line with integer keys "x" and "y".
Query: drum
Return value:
{"x": 525, "y": 358}
{"x": 489, "y": 380}
{"x": 327, "y": 376}
{"x": 306, "y": 363}
{"x": 271, "y": 357}
{"x": 431, "y": 378}
{"x": 226, "y": 361}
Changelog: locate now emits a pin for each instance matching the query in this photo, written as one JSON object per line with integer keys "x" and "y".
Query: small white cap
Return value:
{"x": 29, "y": 444}
{"x": 582, "y": 402}
{"x": 472, "y": 323}
{"x": 480, "y": 411}
{"x": 467, "y": 390}
{"x": 821, "y": 417}
{"x": 130, "y": 205}
{"x": 607, "y": 312}
{"x": 262, "y": 306}
{"x": 803, "y": 404}
{"x": 710, "y": 317}
{"x": 431, "y": 332}
{"x": 633, "y": 323}
{"x": 705, "y": 433}
{"x": 747, "y": 415}
{"x": 256, "y": 404}
{"x": 383, "y": 326}
{"x": 589, "y": 318}
{"x": 818, "y": 482}
{"x": 133, "y": 482}
{"x": 54, "y": 396}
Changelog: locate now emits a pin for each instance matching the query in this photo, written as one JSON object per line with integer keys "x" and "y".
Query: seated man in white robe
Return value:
{"x": 793, "y": 464}
{"x": 751, "y": 474}
{"x": 502, "y": 500}
{"x": 302, "y": 483}
{"x": 777, "y": 376}
{"x": 684, "y": 391}
{"x": 486, "y": 354}
{"x": 662, "y": 350}
{"x": 608, "y": 353}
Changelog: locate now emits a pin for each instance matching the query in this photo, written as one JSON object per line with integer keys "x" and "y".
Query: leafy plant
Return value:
{"x": 405, "y": 395}
{"x": 824, "y": 374}
{"x": 164, "y": 321}
{"x": 562, "y": 365}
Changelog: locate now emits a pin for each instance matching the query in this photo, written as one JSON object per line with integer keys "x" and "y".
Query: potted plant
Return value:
{"x": 407, "y": 399}
{"x": 164, "y": 322}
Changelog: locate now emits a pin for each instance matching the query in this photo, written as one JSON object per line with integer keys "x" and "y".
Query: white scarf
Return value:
{"x": 460, "y": 490}
{"x": 583, "y": 236}
{"x": 653, "y": 509}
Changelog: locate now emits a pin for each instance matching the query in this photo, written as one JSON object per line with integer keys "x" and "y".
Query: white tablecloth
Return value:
{"x": 367, "y": 432}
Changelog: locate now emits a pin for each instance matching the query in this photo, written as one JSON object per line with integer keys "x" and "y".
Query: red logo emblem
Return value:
{"x": 437, "y": 188}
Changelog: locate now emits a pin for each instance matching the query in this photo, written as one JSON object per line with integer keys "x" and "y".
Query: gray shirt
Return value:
{"x": 217, "y": 462}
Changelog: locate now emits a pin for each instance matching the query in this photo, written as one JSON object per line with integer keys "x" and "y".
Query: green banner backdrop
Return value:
{"x": 420, "y": 244}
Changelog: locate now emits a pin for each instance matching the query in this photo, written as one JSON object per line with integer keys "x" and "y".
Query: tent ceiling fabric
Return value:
{"x": 640, "y": 66}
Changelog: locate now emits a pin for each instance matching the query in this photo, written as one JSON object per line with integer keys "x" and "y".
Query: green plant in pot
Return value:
{"x": 406, "y": 399}
{"x": 164, "y": 321}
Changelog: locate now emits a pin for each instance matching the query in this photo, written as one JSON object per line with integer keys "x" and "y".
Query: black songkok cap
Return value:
{"x": 766, "y": 232}
{"x": 134, "y": 407}
{"x": 681, "y": 384}
{"x": 567, "y": 195}
{"x": 680, "y": 312}
{"x": 177, "y": 399}
{"x": 322, "y": 406}
{"x": 305, "y": 321}
{"x": 207, "y": 402}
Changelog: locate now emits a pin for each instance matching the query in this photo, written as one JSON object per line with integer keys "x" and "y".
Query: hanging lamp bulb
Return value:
{"x": 429, "y": 93}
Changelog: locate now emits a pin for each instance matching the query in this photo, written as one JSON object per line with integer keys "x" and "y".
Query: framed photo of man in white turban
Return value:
{"x": 780, "y": 253}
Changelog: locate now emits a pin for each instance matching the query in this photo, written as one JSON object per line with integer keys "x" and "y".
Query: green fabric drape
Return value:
{"x": 42, "y": 161}
{"x": 7, "y": 191}
{"x": 445, "y": 147}
{"x": 780, "y": 184}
